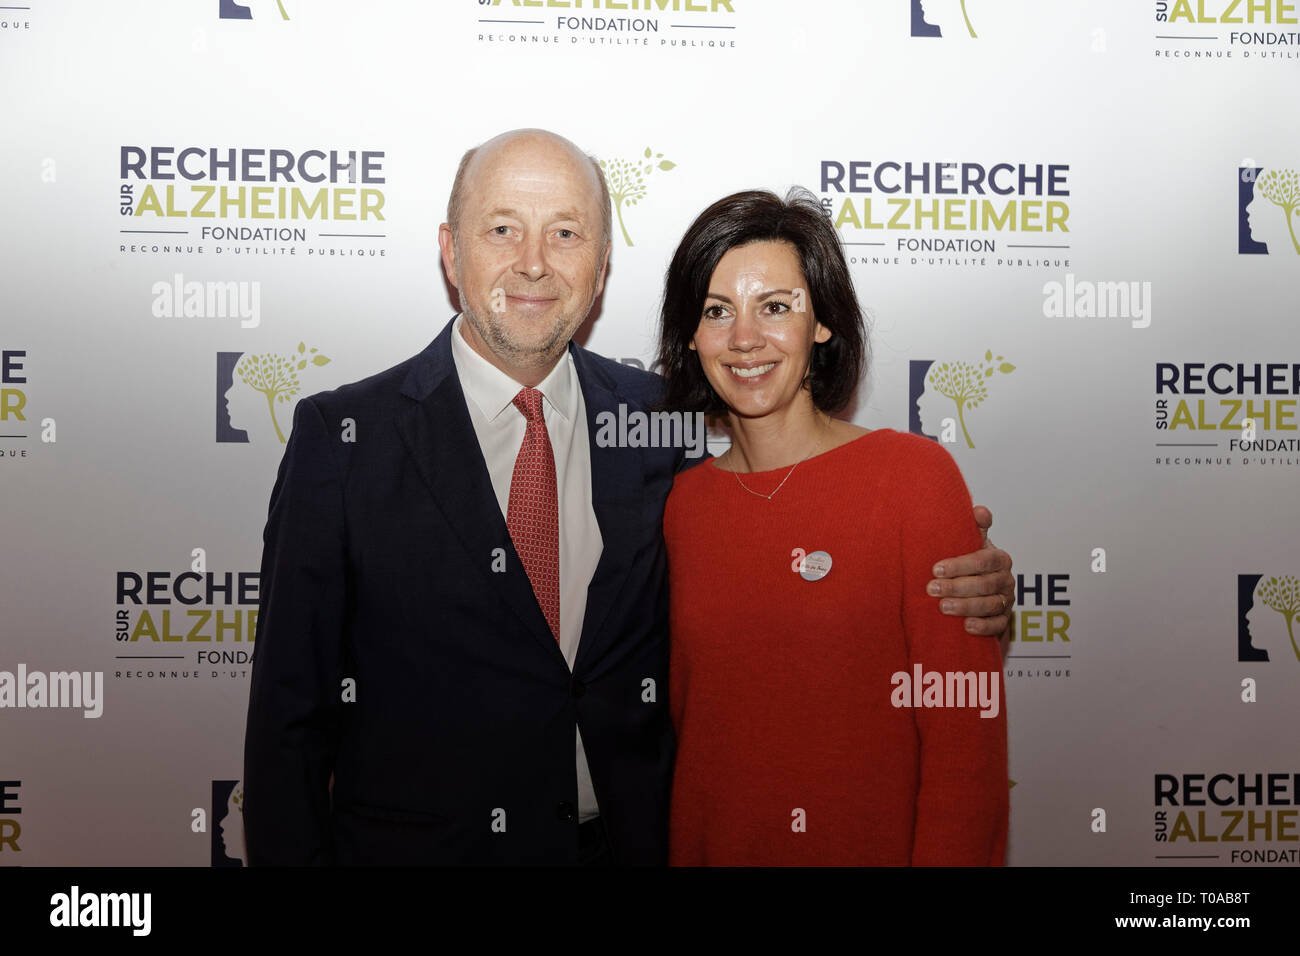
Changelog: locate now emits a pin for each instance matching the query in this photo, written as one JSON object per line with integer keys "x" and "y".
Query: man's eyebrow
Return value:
{"x": 559, "y": 214}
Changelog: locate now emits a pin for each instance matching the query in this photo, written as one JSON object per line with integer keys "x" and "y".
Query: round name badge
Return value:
{"x": 815, "y": 566}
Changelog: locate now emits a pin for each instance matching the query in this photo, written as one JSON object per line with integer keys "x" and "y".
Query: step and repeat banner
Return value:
{"x": 1074, "y": 226}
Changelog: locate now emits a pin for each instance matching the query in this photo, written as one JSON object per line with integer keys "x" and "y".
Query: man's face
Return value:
{"x": 529, "y": 257}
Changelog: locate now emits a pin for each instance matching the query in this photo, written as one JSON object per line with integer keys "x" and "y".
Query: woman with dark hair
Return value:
{"x": 826, "y": 711}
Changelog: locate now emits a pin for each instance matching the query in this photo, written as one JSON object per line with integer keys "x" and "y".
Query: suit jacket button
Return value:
{"x": 565, "y": 811}
{"x": 578, "y": 688}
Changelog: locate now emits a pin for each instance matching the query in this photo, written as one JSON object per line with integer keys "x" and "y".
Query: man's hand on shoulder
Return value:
{"x": 977, "y": 586}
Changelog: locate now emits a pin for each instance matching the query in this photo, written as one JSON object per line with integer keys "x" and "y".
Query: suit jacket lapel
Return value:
{"x": 439, "y": 436}
{"x": 617, "y": 483}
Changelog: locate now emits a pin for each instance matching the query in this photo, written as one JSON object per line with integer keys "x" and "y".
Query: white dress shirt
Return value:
{"x": 499, "y": 426}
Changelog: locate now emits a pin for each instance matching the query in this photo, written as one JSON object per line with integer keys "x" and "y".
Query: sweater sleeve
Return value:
{"x": 962, "y": 801}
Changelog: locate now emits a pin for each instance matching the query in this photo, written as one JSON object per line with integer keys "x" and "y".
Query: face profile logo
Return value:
{"x": 234, "y": 10}
{"x": 1258, "y": 632}
{"x": 964, "y": 385}
{"x": 249, "y": 386}
{"x": 227, "y": 836}
{"x": 1266, "y": 217}
{"x": 941, "y": 18}
{"x": 626, "y": 180}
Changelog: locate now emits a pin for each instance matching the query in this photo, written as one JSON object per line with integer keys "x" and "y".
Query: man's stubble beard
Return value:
{"x": 497, "y": 336}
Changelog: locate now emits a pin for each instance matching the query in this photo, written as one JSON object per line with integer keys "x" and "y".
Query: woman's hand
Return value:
{"x": 978, "y": 586}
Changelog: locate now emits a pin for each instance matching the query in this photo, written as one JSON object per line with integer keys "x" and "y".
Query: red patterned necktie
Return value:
{"x": 534, "y": 514}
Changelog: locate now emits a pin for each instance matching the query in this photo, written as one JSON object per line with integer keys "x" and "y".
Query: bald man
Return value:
{"x": 462, "y": 645}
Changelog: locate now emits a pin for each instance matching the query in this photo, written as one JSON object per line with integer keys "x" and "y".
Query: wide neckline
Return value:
{"x": 713, "y": 462}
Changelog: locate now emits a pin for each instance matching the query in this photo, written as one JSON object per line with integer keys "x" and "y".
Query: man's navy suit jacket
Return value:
{"x": 378, "y": 567}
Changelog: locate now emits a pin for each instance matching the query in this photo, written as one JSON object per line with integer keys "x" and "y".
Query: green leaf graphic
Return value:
{"x": 276, "y": 377}
{"x": 626, "y": 180}
{"x": 1282, "y": 188}
{"x": 964, "y": 383}
{"x": 1282, "y": 594}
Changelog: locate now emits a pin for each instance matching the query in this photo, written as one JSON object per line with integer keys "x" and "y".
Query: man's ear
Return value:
{"x": 604, "y": 265}
{"x": 448, "y": 247}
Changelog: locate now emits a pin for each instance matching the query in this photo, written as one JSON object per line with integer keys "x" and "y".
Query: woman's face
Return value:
{"x": 757, "y": 330}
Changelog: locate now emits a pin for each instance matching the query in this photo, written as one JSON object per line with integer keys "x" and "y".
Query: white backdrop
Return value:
{"x": 1153, "y": 122}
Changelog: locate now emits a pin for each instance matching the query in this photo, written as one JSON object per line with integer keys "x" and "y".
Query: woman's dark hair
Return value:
{"x": 737, "y": 220}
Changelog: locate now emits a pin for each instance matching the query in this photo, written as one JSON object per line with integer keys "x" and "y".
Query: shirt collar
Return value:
{"x": 493, "y": 391}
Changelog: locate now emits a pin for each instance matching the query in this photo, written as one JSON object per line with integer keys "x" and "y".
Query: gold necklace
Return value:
{"x": 792, "y": 467}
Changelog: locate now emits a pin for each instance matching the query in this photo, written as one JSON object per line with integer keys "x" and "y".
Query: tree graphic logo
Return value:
{"x": 276, "y": 376}
{"x": 966, "y": 384}
{"x": 922, "y": 27}
{"x": 627, "y": 181}
{"x": 965, "y": 16}
{"x": 1281, "y": 187}
{"x": 235, "y": 10}
{"x": 227, "y": 833}
{"x": 1282, "y": 594}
